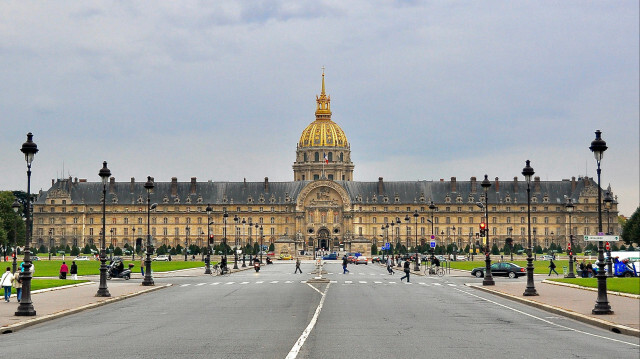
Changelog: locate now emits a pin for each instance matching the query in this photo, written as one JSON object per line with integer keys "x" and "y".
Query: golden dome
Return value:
{"x": 323, "y": 132}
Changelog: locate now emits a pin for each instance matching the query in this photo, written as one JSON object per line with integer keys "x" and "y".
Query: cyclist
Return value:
{"x": 223, "y": 264}
{"x": 436, "y": 262}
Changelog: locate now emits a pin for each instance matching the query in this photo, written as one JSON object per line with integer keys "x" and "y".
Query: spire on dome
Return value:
{"x": 323, "y": 108}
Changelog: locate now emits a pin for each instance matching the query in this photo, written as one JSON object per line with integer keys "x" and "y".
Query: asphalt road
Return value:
{"x": 273, "y": 314}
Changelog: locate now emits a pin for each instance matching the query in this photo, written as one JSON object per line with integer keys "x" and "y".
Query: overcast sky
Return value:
{"x": 221, "y": 90}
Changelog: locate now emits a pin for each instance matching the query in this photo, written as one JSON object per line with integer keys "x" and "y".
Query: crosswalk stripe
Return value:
{"x": 451, "y": 284}
{"x": 185, "y": 285}
{"x": 376, "y": 282}
{"x": 333, "y": 281}
{"x": 348, "y": 282}
{"x": 437, "y": 284}
{"x": 199, "y": 284}
{"x": 274, "y": 282}
{"x": 362, "y": 282}
{"x": 260, "y": 282}
{"x": 216, "y": 283}
{"x": 392, "y": 283}
{"x": 244, "y": 283}
{"x": 288, "y": 282}
{"x": 229, "y": 283}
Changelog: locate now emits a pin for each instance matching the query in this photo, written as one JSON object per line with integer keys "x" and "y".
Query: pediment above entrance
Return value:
{"x": 325, "y": 194}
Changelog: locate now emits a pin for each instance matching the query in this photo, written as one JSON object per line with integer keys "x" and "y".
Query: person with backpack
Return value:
{"x": 344, "y": 265}
{"x": 407, "y": 271}
{"x": 17, "y": 284}
{"x": 6, "y": 281}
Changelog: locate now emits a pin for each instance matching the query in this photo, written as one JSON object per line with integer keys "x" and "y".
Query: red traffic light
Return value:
{"x": 483, "y": 226}
{"x": 607, "y": 246}
{"x": 569, "y": 246}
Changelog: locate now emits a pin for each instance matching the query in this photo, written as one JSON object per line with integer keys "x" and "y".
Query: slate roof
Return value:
{"x": 406, "y": 192}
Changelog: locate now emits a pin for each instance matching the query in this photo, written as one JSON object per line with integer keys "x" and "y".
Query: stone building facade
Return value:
{"x": 322, "y": 208}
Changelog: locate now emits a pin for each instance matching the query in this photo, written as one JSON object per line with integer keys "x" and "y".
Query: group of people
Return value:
{"x": 64, "y": 270}
{"x": 586, "y": 270}
{"x": 13, "y": 280}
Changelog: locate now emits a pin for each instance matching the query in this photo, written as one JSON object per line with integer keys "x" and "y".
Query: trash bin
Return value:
{"x": 565, "y": 270}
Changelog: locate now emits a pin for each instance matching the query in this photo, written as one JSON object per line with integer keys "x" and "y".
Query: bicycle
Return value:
{"x": 439, "y": 271}
{"x": 217, "y": 270}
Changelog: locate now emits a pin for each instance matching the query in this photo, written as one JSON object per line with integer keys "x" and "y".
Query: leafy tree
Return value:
{"x": 256, "y": 248}
{"x": 75, "y": 251}
{"x": 117, "y": 251}
{"x": 631, "y": 229}
{"x": 42, "y": 249}
{"x": 271, "y": 247}
{"x": 86, "y": 249}
{"x": 374, "y": 249}
{"x": 538, "y": 249}
{"x": 494, "y": 249}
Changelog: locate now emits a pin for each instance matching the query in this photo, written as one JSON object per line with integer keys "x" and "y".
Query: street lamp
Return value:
{"x": 528, "y": 172}
{"x": 148, "y": 280}
{"x": 26, "y": 308}
{"x": 235, "y": 247}
{"x": 417, "y": 267}
{"x": 432, "y": 208}
{"x": 133, "y": 244}
{"x": 111, "y": 245}
{"x": 570, "y": 207}
{"x": 244, "y": 264}
{"x": 261, "y": 241}
{"x": 207, "y": 262}
{"x": 455, "y": 244}
{"x": 186, "y": 241}
{"x": 50, "y": 242}
{"x": 225, "y": 215}
{"x": 103, "y": 291}
{"x": 488, "y": 278}
{"x": 598, "y": 146}
{"x": 16, "y": 208}
{"x": 608, "y": 201}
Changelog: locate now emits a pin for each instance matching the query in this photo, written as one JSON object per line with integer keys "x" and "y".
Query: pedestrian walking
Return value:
{"x": 344, "y": 265}
{"x": 64, "y": 270}
{"x": 407, "y": 271}
{"x": 583, "y": 269}
{"x": 74, "y": 270}
{"x": 298, "y": 266}
{"x": 552, "y": 267}
{"x": 390, "y": 266}
{"x": 142, "y": 265}
{"x": 589, "y": 270}
{"x": 6, "y": 281}
{"x": 17, "y": 284}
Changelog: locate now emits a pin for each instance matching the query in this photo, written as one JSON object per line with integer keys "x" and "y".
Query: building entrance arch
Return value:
{"x": 323, "y": 239}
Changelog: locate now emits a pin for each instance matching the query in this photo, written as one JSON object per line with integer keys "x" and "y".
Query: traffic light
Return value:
{"x": 569, "y": 246}
{"x": 210, "y": 239}
{"x": 483, "y": 229}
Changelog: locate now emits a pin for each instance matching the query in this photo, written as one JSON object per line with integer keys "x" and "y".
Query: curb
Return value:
{"x": 620, "y": 294}
{"x": 58, "y": 288}
{"x": 613, "y": 327}
{"x": 27, "y": 323}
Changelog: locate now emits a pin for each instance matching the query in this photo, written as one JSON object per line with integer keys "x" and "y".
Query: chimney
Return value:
{"x": 380, "y": 186}
{"x": 174, "y": 186}
{"x": 497, "y": 185}
{"x": 515, "y": 184}
{"x": 573, "y": 184}
{"x": 536, "y": 184}
{"x": 132, "y": 186}
{"x": 266, "y": 184}
{"x": 453, "y": 184}
{"x": 193, "y": 185}
{"x": 112, "y": 184}
{"x": 473, "y": 185}
{"x": 52, "y": 182}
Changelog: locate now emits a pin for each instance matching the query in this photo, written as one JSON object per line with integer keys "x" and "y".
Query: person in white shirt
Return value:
{"x": 6, "y": 281}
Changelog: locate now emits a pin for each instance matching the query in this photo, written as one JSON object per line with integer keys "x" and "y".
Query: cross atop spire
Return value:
{"x": 323, "y": 108}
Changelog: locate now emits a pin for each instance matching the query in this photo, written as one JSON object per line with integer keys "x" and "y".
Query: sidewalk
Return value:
{"x": 575, "y": 303}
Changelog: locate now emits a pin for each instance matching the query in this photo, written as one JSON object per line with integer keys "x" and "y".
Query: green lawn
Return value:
{"x": 623, "y": 285}
{"x": 50, "y": 283}
{"x": 539, "y": 267}
{"x": 52, "y": 268}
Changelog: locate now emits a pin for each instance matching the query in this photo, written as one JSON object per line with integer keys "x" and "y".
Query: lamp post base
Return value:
{"x": 488, "y": 277}
{"x": 530, "y": 291}
{"x": 25, "y": 310}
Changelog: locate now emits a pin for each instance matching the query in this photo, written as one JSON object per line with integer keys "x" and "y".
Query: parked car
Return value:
{"x": 162, "y": 258}
{"x": 286, "y": 256}
{"x": 376, "y": 259}
{"x": 501, "y": 269}
{"x": 351, "y": 259}
{"x": 361, "y": 260}
{"x": 81, "y": 258}
{"x": 547, "y": 257}
{"x": 330, "y": 256}
{"x": 35, "y": 258}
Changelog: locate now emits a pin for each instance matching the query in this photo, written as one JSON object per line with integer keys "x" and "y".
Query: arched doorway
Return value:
{"x": 323, "y": 239}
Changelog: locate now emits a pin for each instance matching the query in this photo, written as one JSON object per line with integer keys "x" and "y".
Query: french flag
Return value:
{"x": 326, "y": 159}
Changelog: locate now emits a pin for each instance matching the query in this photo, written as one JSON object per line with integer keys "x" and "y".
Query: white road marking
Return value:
{"x": 362, "y": 282}
{"x": 392, "y": 282}
{"x": 216, "y": 283}
{"x": 186, "y": 285}
{"x": 199, "y": 284}
{"x": 544, "y": 320}
{"x": 293, "y": 353}
{"x": 333, "y": 281}
{"x": 347, "y": 282}
{"x": 451, "y": 284}
{"x": 274, "y": 282}
{"x": 229, "y": 283}
{"x": 437, "y": 284}
{"x": 376, "y": 282}
{"x": 288, "y": 282}
{"x": 260, "y": 282}
{"x": 244, "y": 283}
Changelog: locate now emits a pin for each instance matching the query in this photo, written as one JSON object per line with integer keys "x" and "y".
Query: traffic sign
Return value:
{"x": 433, "y": 237}
{"x": 432, "y": 244}
{"x": 602, "y": 238}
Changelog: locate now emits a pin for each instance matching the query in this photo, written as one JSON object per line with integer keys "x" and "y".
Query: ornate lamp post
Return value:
{"x": 207, "y": 262}
{"x": 528, "y": 172}
{"x": 148, "y": 279}
{"x": 103, "y": 291}
{"x": 488, "y": 278}
{"x": 186, "y": 242}
{"x": 225, "y": 215}
{"x": 432, "y": 208}
{"x": 50, "y": 243}
{"x": 16, "y": 208}
{"x": 417, "y": 266}
{"x": 133, "y": 243}
{"x": 598, "y": 146}
{"x": 111, "y": 250}
{"x": 236, "y": 219}
{"x": 244, "y": 264}
{"x": 570, "y": 207}
{"x": 510, "y": 239}
{"x": 261, "y": 241}
{"x": 608, "y": 201}
{"x": 26, "y": 308}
